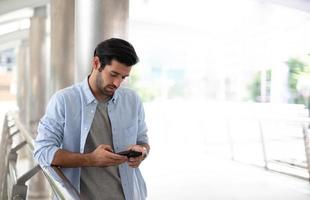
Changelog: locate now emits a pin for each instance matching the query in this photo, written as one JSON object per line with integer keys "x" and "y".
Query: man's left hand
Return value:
{"x": 135, "y": 162}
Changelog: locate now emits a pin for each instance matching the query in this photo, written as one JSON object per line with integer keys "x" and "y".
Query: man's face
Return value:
{"x": 111, "y": 77}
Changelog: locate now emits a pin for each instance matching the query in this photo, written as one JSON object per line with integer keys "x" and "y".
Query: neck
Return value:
{"x": 95, "y": 90}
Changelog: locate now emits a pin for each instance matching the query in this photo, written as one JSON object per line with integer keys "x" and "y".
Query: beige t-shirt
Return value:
{"x": 102, "y": 183}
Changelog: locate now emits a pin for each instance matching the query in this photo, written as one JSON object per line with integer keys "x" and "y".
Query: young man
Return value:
{"x": 85, "y": 125}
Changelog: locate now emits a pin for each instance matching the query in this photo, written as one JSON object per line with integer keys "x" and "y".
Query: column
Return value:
{"x": 62, "y": 45}
{"x": 22, "y": 79}
{"x": 95, "y": 21}
{"x": 37, "y": 67}
{"x": 36, "y": 90}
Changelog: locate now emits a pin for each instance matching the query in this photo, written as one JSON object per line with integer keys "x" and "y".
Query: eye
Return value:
{"x": 113, "y": 74}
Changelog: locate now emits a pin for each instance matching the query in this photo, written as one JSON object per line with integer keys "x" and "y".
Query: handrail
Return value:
{"x": 24, "y": 133}
{"x": 63, "y": 190}
{"x": 301, "y": 118}
{"x": 12, "y": 179}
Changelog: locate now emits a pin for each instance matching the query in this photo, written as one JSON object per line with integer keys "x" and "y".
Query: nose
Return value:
{"x": 117, "y": 82}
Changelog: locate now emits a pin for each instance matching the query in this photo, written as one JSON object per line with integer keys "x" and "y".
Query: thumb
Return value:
{"x": 130, "y": 147}
{"x": 108, "y": 148}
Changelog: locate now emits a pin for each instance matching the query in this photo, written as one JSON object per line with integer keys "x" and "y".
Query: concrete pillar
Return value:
{"x": 95, "y": 21}
{"x": 36, "y": 95}
{"x": 22, "y": 79}
{"x": 62, "y": 45}
{"x": 37, "y": 67}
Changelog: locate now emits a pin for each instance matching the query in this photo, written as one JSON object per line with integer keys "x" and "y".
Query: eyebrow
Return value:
{"x": 119, "y": 74}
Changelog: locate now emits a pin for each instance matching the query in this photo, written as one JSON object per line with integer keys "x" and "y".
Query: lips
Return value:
{"x": 110, "y": 87}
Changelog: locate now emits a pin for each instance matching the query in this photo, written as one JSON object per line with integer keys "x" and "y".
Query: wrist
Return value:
{"x": 89, "y": 160}
{"x": 145, "y": 152}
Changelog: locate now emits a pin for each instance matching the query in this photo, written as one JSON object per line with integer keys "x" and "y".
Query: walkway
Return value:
{"x": 201, "y": 177}
{"x": 172, "y": 173}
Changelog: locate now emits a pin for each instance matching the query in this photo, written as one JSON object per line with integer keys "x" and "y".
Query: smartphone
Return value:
{"x": 130, "y": 153}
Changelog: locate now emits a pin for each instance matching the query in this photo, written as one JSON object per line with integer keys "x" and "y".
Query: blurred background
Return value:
{"x": 225, "y": 86}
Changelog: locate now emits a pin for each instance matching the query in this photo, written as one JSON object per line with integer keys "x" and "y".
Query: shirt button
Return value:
{"x": 92, "y": 111}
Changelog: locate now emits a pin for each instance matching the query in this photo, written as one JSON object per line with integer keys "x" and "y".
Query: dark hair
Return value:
{"x": 117, "y": 49}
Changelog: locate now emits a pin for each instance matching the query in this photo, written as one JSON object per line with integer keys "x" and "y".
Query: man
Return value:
{"x": 85, "y": 125}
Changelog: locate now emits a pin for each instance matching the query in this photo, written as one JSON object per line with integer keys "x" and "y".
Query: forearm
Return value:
{"x": 65, "y": 158}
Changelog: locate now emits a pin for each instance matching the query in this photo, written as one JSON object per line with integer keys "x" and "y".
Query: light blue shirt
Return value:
{"x": 67, "y": 122}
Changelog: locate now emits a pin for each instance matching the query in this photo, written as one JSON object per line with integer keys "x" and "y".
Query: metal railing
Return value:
{"x": 13, "y": 187}
{"x": 304, "y": 139}
{"x": 273, "y": 145}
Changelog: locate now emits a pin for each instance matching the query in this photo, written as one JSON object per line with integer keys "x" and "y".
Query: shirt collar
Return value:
{"x": 89, "y": 95}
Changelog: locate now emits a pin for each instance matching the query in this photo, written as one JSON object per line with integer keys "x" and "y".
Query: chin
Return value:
{"x": 109, "y": 93}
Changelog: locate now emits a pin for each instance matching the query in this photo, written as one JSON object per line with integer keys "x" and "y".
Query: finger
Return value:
{"x": 130, "y": 147}
{"x": 108, "y": 148}
{"x": 133, "y": 159}
{"x": 115, "y": 157}
{"x": 133, "y": 163}
{"x": 119, "y": 158}
{"x": 139, "y": 158}
{"x": 136, "y": 148}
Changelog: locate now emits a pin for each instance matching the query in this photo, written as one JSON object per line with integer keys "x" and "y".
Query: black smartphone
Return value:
{"x": 130, "y": 153}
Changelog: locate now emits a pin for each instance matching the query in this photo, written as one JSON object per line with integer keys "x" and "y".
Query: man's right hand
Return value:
{"x": 102, "y": 156}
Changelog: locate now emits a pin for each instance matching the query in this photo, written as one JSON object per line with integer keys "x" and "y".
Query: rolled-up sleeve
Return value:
{"x": 50, "y": 131}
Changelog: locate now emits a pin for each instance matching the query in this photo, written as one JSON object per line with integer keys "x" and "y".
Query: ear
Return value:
{"x": 96, "y": 63}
